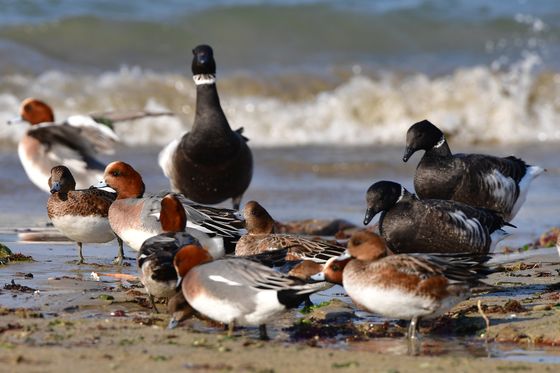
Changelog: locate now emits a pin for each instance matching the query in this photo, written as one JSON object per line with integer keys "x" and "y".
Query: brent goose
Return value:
{"x": 498, "y": 184}
{"x": 211, "y": 163}
{"x": 411, "y": 225}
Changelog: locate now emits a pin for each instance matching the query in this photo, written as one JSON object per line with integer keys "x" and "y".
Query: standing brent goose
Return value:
{"x": 498, "y": 184}
{"x": 211, "y": 163}
{"x": 411, "y": 225}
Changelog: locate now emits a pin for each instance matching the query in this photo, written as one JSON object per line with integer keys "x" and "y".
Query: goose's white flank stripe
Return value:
{"x": 501, "y": 187}
{"x": 471, "y": 226}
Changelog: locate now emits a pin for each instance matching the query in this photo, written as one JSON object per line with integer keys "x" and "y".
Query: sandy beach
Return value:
{"x": 70, "y": 319}
{"x": 325, "y": 91}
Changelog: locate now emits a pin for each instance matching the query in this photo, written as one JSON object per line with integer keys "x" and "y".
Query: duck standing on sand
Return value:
{"x": 236, "y": 290}
{"x": 498, "y": 184}
{"x": 211, "y": 163}
{"x": 412, "y": 225}
{"x": 81, "y": 215}
{"x": 404, "y": 286}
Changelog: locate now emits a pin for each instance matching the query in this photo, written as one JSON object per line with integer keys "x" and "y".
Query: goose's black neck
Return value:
{"x": 440, "y": 150}
{"x": 209, "y": 118}
{"x": 211, "y": 136}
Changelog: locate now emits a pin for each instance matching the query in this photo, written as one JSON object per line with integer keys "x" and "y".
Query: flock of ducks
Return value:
{"x": 430, "y": 251}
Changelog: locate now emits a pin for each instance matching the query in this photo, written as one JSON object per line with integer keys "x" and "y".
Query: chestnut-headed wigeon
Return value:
{"x": 236, "y": 290}
{"x": 179, "y": 308}
{"x": 81, "y": 215}
{"x": 74, "y": 142}
{"x": 155, "y": 257}
{"x": 211, "y": 163}
{"x": 403, "y": 286}
{"x": 134, "y": 216}
{"x": 412, "y": 225}
{"x": 260, "y": 238}
{"x": 498, "y": 184}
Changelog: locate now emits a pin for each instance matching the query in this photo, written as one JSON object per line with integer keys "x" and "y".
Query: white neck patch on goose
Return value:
{"x": 402, "y": 194}
{"x": 440, "y": 142}
{"x": 201, "y": 79}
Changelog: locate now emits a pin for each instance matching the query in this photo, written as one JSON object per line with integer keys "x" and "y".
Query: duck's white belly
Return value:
{"x": 390, "y": 302}
{"x": 36, "y": 171}
{"x": 136, "y": 237}
{"x": 94, "y": 229}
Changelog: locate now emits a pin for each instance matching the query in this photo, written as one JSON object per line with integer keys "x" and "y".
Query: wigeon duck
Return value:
{"x": 81, "y": 215}
{"x": 134, "y": 216}
{"x": 260, "y": 238}
{"x": 410, "y": 225}
{"x": 74, "y": 143}
{"x": 179, "y": 308}
{"x": 155, "y": 257}
{"x": 498, "y": 184}
{"x": 236, "y": 290}
{"x": 211, "y": 163}
{"x": 403, "y": 286}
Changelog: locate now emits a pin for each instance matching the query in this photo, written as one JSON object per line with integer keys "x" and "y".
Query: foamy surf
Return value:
{"x": 476, "y": 104}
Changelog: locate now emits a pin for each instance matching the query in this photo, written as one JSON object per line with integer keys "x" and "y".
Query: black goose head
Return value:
{"x": 381, "y": 196}
{"x": 203, "y": 60}
{"x": 421, "y": 136}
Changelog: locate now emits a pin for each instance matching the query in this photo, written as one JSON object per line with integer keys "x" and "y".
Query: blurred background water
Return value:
{"x": 325, "y": 89}
{"x": 294, "y": 72}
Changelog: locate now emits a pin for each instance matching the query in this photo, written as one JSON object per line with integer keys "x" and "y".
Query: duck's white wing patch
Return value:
{"x": 214, "y": 245}
{"x": 94, "y": 131}
{"x": 219, "y": 278}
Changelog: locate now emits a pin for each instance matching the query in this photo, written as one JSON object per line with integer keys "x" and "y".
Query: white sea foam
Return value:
{"x": 475, "y": 104}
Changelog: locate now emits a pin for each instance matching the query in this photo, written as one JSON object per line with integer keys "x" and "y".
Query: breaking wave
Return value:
{"x": 476, "y": 104}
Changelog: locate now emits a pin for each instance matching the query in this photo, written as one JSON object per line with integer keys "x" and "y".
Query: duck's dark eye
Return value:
{"x": 27, "y": 108}
{"x": 116, "y": 173}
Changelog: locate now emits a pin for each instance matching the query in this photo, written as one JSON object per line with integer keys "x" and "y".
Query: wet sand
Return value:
{"x": 57, "y": 316}
{"x": 108, "y": 325}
